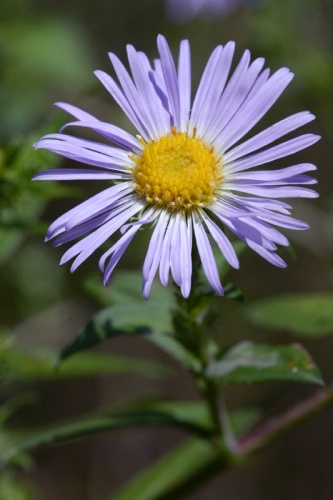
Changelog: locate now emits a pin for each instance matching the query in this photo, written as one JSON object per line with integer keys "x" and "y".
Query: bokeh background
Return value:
{"x": 48, "y": 52}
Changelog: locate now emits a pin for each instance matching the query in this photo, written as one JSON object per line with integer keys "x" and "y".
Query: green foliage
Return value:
{"x": 152, "y": 318}
{"x": 247, "y": 363}
{"x": 22, "y": 201}
{"x": 46, "y": 57}
{"x": 15, "y": 487}
{"x": 170, "y": 472}
{"x": 125, "y": 288}
{"x": 191, "y": 417}
{"x": 25, "y": 366}
{"x": 39, "y": 55}
{"x": 308, "y": 315}
{"x": 186, "y": 467}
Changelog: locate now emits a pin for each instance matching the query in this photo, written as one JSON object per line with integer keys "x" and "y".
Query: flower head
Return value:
{"x": 185, "y": 174}
{"x": 182, "y": 11}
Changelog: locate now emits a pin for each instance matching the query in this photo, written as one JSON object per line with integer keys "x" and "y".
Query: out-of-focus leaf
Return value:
{"x": 170, "y": 472}
{"x": 136, "y": 319}
{"x": 21, "y": 200}
{"x": 12, "y": 405}
{"x": 129, "y": 314}
{"x": 247, "y": 362}
{"x": 116, "y": 321}
{"x": 188, "y": 416}
{"x": 169, "y": 344}
{"x": 14, "y": 487}
{"x": 10, "y": 240}
{"x": 18, "y": 364}
{"x": 233, "y": 293}
{"x": 309, "y": 315}
{"x": 242, "y": 420}
{"x": 31, "y": 73}
{"x": 126, "y": 286}
{"x": 192, "y": 414}
{"x": 186, "y": 467}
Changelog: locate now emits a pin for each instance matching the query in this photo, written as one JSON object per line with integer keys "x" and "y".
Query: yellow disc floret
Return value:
{"x": 177, "y": 171}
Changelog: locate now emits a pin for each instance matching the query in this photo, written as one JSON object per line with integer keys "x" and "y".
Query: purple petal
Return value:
{"x": 269, "y": 135}
{"x": 118, "y": 251}
{"x": 110, "y": 132}
{"x": 85, "y": 247}
{"x": 273, "y": 192}
{"x": 153, "y": 111}
{"x": 184, "y": 83}
{"x": 271, "y": 257}
{"x": 280, "y": 151}
{"x": 153, "y": 255}
{"x": 235, "y": 92}
{"x": 222, "y": 241}
{"x": 82, "y": 150}
{"x": 211, "y": 87}
{"x": 170, "y": 78}
{"x": 165, "y": 253}
{"x": 274, "y": 175}
{"x": 185, "y": 231}
{"x": 206, "y": 255}
{"x": 104, "y": 197}
{"x": 125, "y": 100}
{"x": 118, "y": 199}
{"x": 254, "y": 108}
{"x": 70, "y": 174}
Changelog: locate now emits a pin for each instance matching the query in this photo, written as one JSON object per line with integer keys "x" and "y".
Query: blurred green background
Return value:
{"x": 48, "y": 52}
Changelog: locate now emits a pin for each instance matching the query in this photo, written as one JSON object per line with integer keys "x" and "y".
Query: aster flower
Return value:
{"x": 185, "y": 175}
{"x": 182, "y": 11}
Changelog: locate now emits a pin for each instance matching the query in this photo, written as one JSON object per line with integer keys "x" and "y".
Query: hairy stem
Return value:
{"x": 277, "y": 426}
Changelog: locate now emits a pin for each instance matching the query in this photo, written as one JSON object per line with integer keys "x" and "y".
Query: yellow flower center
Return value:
{"x": 177, "y": 172}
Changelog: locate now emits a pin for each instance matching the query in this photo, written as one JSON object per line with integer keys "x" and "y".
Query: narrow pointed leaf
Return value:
{"x": 233, "y": 293}
{"x": 247, "y": 362}
{"x": 126, "y": 287}
{"x": 150, "y": 319}
{"x": 190, "y": 416}
{"x": 168, "y": 343}
{"x": 308, "y": 315}
{"x": 187, "y": 467}
{"x": 169, "y": 473}
{"x": 136, "y": 318}
{"x": 23, "y": 365}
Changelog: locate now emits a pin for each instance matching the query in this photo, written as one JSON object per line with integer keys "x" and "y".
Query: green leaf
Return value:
{"x": 10, "y": 240}
{"x": 136, "y": 319}
{"x": 247, "y": 362}
{"x": 150, "y": 318}
{"x": 309, "y": 315}
{"x": 188, "y": 466}
{"x": 177, "y": 467}
{"x": 168, "y": 343}
{"x": 130, "y": 314}
{"x": 26, "y": 366}
{"x": 126, "y": 287}
{"x": 8, "y": 408}
{"x": 101, "y": 328}
{"x": 14, "y": 487}
{"x": 190, "y": 416}
{"x": 242, "y": 420}
{"x": 233, "y": 293}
